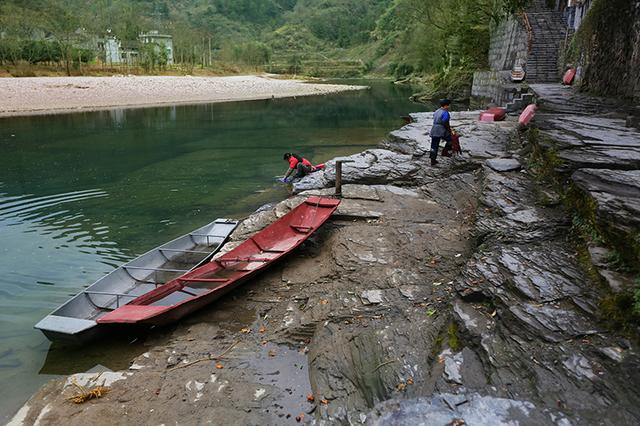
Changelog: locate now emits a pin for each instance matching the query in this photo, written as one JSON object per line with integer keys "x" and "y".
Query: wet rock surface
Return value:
{"x": 434, "y": 295}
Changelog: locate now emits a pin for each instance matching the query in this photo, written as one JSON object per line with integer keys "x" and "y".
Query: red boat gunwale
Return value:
{"x": 203, "y": 285}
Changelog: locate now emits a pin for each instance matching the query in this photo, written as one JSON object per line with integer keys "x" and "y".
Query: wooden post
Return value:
{"x": 338, "y": 177}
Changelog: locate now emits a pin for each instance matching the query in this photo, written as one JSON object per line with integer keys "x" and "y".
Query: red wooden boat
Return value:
{"x": 493, "y": 114}
{"x": 527, "y": 115}
{"x": 569, "y": 76}
{"x": 207, "y": 283}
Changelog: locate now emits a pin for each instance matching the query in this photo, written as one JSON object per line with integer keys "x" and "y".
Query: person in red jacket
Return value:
{"x": 297, "y": 164}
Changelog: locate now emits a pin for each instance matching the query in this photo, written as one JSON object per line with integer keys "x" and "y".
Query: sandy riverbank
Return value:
{"x": 47, "y": 95}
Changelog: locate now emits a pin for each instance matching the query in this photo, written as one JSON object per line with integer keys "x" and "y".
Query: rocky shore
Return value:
{"x": 48, "y": 95}
{"x": 446, "y": 296}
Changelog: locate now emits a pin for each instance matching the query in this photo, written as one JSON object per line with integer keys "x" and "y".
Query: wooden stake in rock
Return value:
{"x": 339, "y": 175}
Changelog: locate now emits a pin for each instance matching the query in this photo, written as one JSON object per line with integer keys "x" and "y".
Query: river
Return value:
{"x": 82, "y": 193}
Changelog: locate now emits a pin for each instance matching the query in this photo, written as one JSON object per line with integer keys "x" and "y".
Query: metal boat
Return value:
{"x": 210, "y": 281}
{"x": 77, "y": 319}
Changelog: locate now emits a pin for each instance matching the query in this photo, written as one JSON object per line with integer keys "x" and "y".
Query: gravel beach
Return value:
{"x": 46, "y": 95}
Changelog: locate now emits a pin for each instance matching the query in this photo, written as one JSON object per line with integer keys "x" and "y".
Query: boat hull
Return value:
{"x": 209, "y": 282}
{"x": 76, "y": 320}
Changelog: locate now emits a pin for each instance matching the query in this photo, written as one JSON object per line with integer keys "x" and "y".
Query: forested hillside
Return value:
{"x": 445, "y": 39}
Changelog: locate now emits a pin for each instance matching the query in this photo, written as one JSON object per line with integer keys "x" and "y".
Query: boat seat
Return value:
{"x": 265, "y": 249}
{"x": 245, "y": 259}
{"x": 65, "y": 325}
{"x": 322, "y": 202}
{"x": 302, "y": 228}
{"x": 204, "y": 280}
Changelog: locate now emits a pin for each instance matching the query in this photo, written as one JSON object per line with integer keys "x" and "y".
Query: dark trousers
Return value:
{"x": 302, "y": 170}
{"x": 435, "y": 145}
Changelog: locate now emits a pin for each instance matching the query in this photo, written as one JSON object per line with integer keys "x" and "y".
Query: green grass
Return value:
{"x": 453, "y": 338}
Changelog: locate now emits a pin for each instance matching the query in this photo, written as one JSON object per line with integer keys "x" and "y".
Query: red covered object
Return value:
{"x": 569, "y": 76}
{"x": 455, "y": 144}
{"x": 203, "y": 285}
{"x": 527, "y": 115}
{"x": 493, "y": 114}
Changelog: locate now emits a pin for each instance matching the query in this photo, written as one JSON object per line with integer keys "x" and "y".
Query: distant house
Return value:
{"x": 162, "y": 40}
{"x": 112, "y": 53}
{"x": 574, "y": 11}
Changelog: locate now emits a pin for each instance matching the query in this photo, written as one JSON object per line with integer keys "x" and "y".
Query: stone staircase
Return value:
{"x": 549, "y": 31}
{"x": 522, "y": 98}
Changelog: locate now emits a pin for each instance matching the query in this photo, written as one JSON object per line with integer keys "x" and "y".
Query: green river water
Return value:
{"x": 82, "y": 193}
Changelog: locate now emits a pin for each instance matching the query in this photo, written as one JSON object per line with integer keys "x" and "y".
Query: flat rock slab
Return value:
{"x": 360, "y": 192}
{"x": 349, "y": 192}
{"x": 352, "y": 209}
{"x": 566, "y": 99}
{"x": 371, "y": 297}
{"x": 593, "y": 141}
{"x": 476, "y": 410}
{"x": 617, "y": 193}
{"x": 478, "y": 140}
{"x": 619, "y": 158}
{"x": 504, "y": 164}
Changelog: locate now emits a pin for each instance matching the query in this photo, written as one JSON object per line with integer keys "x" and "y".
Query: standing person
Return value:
{"x": 300, "y": 165}
{"x": 441, "y": 129}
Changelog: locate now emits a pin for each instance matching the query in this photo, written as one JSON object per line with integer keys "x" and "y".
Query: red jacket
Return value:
{"x": 293, "y": 162}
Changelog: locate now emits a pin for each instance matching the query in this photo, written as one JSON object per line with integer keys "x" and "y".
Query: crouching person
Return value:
{"x": 301, "y": 166}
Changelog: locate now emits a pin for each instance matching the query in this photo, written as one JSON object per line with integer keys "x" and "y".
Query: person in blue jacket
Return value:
{"x": 441, "y": 129}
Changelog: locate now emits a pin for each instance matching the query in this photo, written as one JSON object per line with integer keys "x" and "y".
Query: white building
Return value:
{"x": 112, "y": 48}
{"x": 162, "y": 40}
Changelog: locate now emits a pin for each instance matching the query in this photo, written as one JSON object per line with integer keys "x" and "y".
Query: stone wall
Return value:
{"x": 493, "y": 86}
{"x": 607, "y": 45}
{"x": 509, "y": 43}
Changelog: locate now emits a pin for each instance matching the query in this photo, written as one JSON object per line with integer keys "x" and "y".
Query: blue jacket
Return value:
{"x": 440, "y": 117}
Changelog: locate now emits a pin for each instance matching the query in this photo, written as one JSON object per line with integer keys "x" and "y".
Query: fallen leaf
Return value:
{"x": 264, "y": 343}
{"x": 245, "y": 331}
{"x": 219, "y": 366}
{"x": 324, "y": 401}
{"x": 431, "y": 312}
{"x": 262, "y": 330}
{"x": 311, "y": 398}
{"x": 300, "y": 417}
{"x": 410, "y": 381}
{"x": 272, "y": 353}
{"x": 401, "y": 387}
{"x": 324, "y": 302}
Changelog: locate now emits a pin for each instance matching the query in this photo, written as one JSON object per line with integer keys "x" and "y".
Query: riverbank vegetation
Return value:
{"x": 437, "y": 43}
